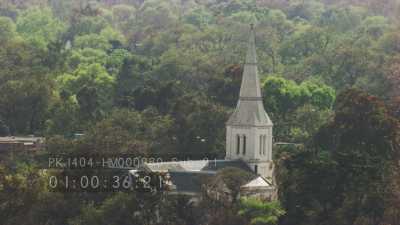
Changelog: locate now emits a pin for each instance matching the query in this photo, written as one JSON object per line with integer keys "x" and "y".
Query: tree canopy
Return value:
{"x": 162, "y": 77}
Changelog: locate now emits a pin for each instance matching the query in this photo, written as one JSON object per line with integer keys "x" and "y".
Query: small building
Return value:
{"x": 18, "y": 143}
{"x": 259, "y": 188}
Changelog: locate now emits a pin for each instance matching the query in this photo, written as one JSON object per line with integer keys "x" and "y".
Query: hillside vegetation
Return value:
{"x": 162, "y": 76}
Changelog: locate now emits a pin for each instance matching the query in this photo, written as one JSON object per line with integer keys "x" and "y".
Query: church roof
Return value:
{"x": 189, "y": 176}
{"x": 250, "y": 109}
{"x": 189, "y": 182}
{"x": 197, "y": 165}
{"x": 258, "y": 182}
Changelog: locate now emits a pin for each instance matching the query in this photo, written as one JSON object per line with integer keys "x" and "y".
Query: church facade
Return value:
{"x": 248, "y": 143}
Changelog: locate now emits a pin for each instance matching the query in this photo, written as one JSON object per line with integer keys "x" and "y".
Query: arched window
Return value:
{"x": 244, "y": 144}
{"x": 256, "y": 169}
{"x": 260, "y": 144}
{"x": 237, "y": 144}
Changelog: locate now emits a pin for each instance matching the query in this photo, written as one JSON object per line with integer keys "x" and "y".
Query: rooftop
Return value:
{"x": 20, "y": 139}
{"x": 197, "y": 165}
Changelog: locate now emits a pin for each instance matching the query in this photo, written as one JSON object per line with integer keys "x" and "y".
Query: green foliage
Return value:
{"x": 390, "y": 43}
{"x": 158, "y": 76}
{"x": 86, "y": 25}
{"x": 307, "y": 10}
{"x": 26, "y": 88}
{"x": 123, "y": 16}
{"x": 126, "y": 131}
{"x": 343, "y": 19}
{"x": 92, "y": 41}
{"x": 291, "y": 105}
{"x": 305, "y": 42}
{"x": 307, "y": 181}
{"x": 261, "y": 213}
{"x": 102, "y": 41}
{"x": 364, "y": 148}
{"x": 7, "y": 29}
{"x": 20, "y": 190}
{"x": 39, "y": 26}
{"x": 63, "y": 115}
{"x": 199, "y": 17}
{"x": 375, "y": 26}
{"x": 347, "y": 174}
{"x": 93, "y": 87}
{"x": 306, "y": 121}
{"x": 115, "y": 210}
{"x": 228, "y": 181}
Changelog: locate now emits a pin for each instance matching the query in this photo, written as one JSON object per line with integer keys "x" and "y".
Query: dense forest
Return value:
{"x": 162, "y": 76}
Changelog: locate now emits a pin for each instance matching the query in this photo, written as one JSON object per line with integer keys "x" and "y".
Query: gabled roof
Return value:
{"x": 258, "y": 182}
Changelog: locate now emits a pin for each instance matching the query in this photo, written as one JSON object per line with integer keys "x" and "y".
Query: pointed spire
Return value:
{"x": 251, "y": 56}
{"x": 250, "y": 109}
{"x": 250, "y": 87}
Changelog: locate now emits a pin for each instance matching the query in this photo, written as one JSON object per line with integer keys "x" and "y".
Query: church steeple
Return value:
{"x": 250, "y": 109}
{"x": 250, "y": 83}
{"x": 251, "y": 56}
{"x": 249, "y": 128}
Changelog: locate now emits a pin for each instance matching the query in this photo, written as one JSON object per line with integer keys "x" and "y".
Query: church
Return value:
{"x": 248, "y": 143}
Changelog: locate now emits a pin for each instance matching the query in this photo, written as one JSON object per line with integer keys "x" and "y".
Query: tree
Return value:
{"x": 307, "y": 180}
{"x": 364, "y": 140}
{"x": 39, "y": 26}
{"x": 305, "y": 42}
{"x": 129, "y": 79}
{"x": 347, "y": 174}
{"x": 395, "y": 106}
{"x": 392, "y": 76}
{"x": 123, "y": 16}
{"x": 306, "y": 121}
{"x": 119, "y": 208}
{"x": 284, "y": 100}
{"x": 93, "y": 87}
{"x": 4, "y": 130}
{"x": 390, "y": 43}
{"x": 93, "y": 41}
{"x": 24, "y": 105}
{"x": 308, "y": 10}
{"x": 225, "y": 89}
{"x": 7, "y": 29}
{"x": 374, "y": 26}
{"x": 82, "y": 24}
{"x": 21, "y": 189}
{"x": 103, "y": 41}
{"x": 260, "y": 213}
{"x": 199, "y": 17}
{"x": 342, "y": 19}
{"x": 126, "y": 131}
{"x": 229, "y": 180}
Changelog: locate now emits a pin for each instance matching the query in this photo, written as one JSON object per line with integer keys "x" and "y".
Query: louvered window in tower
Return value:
{"x": 237, "y": 144}
{"x": 264, "y": 138}
{"x": 244, "y": 144}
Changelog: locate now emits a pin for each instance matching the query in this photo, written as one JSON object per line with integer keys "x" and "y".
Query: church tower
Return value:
{"x": 249, "y": 128}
